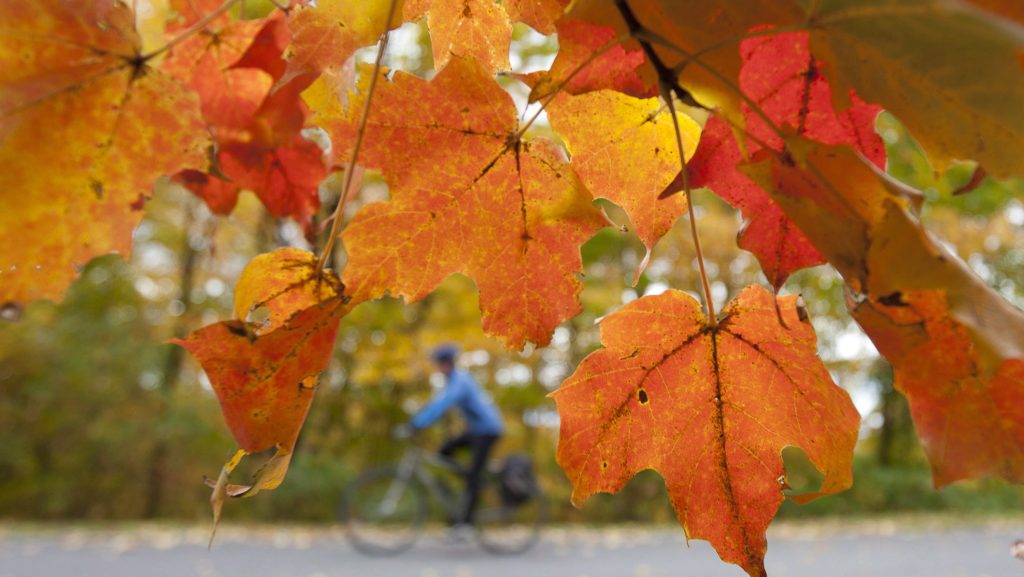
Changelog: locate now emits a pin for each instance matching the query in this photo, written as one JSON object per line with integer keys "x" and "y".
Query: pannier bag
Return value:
{"x": 518, "y": 484}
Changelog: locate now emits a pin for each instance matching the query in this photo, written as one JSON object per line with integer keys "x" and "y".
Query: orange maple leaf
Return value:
{"x": 541, "y": 15}
{"x": 265, "y": 372}
{"x": 467, "y": 197}
{"x": 326, "y": 33}
{"x": 265, "y": 381}
{"x": 674, "y": 393}
{"x": 481, "y": 28}
{"x": 478, "y": 29}
{"x": 205, "y": 62}
{"x": 81, "y": 112}
{"x": 970, "y": 421}
{"x": 954, "y": 343}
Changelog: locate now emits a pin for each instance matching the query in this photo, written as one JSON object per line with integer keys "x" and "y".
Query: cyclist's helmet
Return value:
{"x": 445, "y": 353}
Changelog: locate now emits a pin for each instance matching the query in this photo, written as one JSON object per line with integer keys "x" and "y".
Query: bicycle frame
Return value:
{"x": 416, "y": 463}
{"x": 388, "y": 518}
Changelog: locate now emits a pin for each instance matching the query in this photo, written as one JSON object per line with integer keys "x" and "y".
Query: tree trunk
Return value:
{"x": 171, "y": 371}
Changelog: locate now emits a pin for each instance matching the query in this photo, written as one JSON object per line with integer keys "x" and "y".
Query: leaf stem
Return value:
{"x": 191, "y": 30}
{"x": 684, "y": 173}
{"x": 669, "y": 88}
{"x": 350, "y": 168}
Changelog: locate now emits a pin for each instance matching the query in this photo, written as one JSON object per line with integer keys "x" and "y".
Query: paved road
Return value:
{"x": 303, "y": 552}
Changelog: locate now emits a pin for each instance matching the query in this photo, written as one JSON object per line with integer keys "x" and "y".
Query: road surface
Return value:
{"x": 154, "y": 551}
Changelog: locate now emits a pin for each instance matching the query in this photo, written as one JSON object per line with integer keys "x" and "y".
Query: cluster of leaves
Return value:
{"x": 770, "y": 105}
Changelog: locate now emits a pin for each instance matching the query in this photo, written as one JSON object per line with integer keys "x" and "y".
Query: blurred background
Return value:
{"x": 102, "y": 420}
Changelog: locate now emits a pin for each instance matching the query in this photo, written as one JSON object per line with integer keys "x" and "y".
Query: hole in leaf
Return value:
{"x": 893, "y": 300}
{"x": 259, "y": 316}
{"x": 801, "y": 474}
{"x": 642, "y": 395}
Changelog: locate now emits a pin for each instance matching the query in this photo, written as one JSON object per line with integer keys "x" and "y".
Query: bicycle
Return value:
{"x": 386, "y": 508}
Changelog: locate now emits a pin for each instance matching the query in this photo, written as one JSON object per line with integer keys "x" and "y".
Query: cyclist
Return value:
{"x": 483, "y": 426}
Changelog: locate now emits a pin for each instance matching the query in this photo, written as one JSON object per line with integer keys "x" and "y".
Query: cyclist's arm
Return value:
{"x": 438, "y": 405}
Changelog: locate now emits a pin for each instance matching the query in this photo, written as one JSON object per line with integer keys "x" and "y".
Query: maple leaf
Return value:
{"x": 265, "y": 374}
{"x": 257, "y": 123}
{"x": 779, "y": 245}
{"x": 285, "y": 178}
{"x": 81, "y": 112}
{"x": 541, "y": 15}
{"x": 783, "y": 80}
{"x": 265, "y": 382}
{"x": 272, "y": 158}
{"x": 578, "y": 41}
{"x": 780, "y": 74}
{"x": 189, "y": 12}
{"x": 624, "y": 149}
{"x": 230, "y": 96}
{"x": 478, "y": 29}
{"x": 328, "y": 32}
{"x": 933, "y": 64}
{"x": 969, "y": 422}
{"x": 219, "y": 195}
{"x": 267, "y": 49}
{"x": 283, "y": 281}
{"x": 930, "y": 62}
{"x": 465, "y": 197}
{"x": 674, "y": 393}
{"x": 698, "y": 38}
{"x": 965, "y": 334}
{"x": 205, "y": 62}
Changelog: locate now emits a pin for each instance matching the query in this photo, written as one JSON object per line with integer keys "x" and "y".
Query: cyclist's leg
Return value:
{"x": 481, "y": 446}
{"x": 448, "y": 450}
{"x": 453, "y": 444}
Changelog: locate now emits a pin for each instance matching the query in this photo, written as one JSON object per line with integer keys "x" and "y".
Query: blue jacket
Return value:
{"x": 462, "y": 391}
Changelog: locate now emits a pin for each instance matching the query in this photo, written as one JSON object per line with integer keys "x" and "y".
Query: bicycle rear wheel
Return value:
{"x": 384, "y": 512}
{"x": 506, "y": 529}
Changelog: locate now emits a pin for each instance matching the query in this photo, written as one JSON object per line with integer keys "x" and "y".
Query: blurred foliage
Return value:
{"x": 81, "y": 411}
{"x": 102, "y": 420}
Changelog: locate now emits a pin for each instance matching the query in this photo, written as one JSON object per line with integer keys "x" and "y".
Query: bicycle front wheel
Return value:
{"x": 507, "y": 529}
{"x": 384, "y": 512}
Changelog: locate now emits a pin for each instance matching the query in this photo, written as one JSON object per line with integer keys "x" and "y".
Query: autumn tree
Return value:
{"x": 769, "y": 105}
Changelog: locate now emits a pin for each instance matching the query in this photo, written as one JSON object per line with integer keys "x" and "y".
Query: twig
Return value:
{"x": 342, "y": 201}
{"x": 665, "y": 74}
